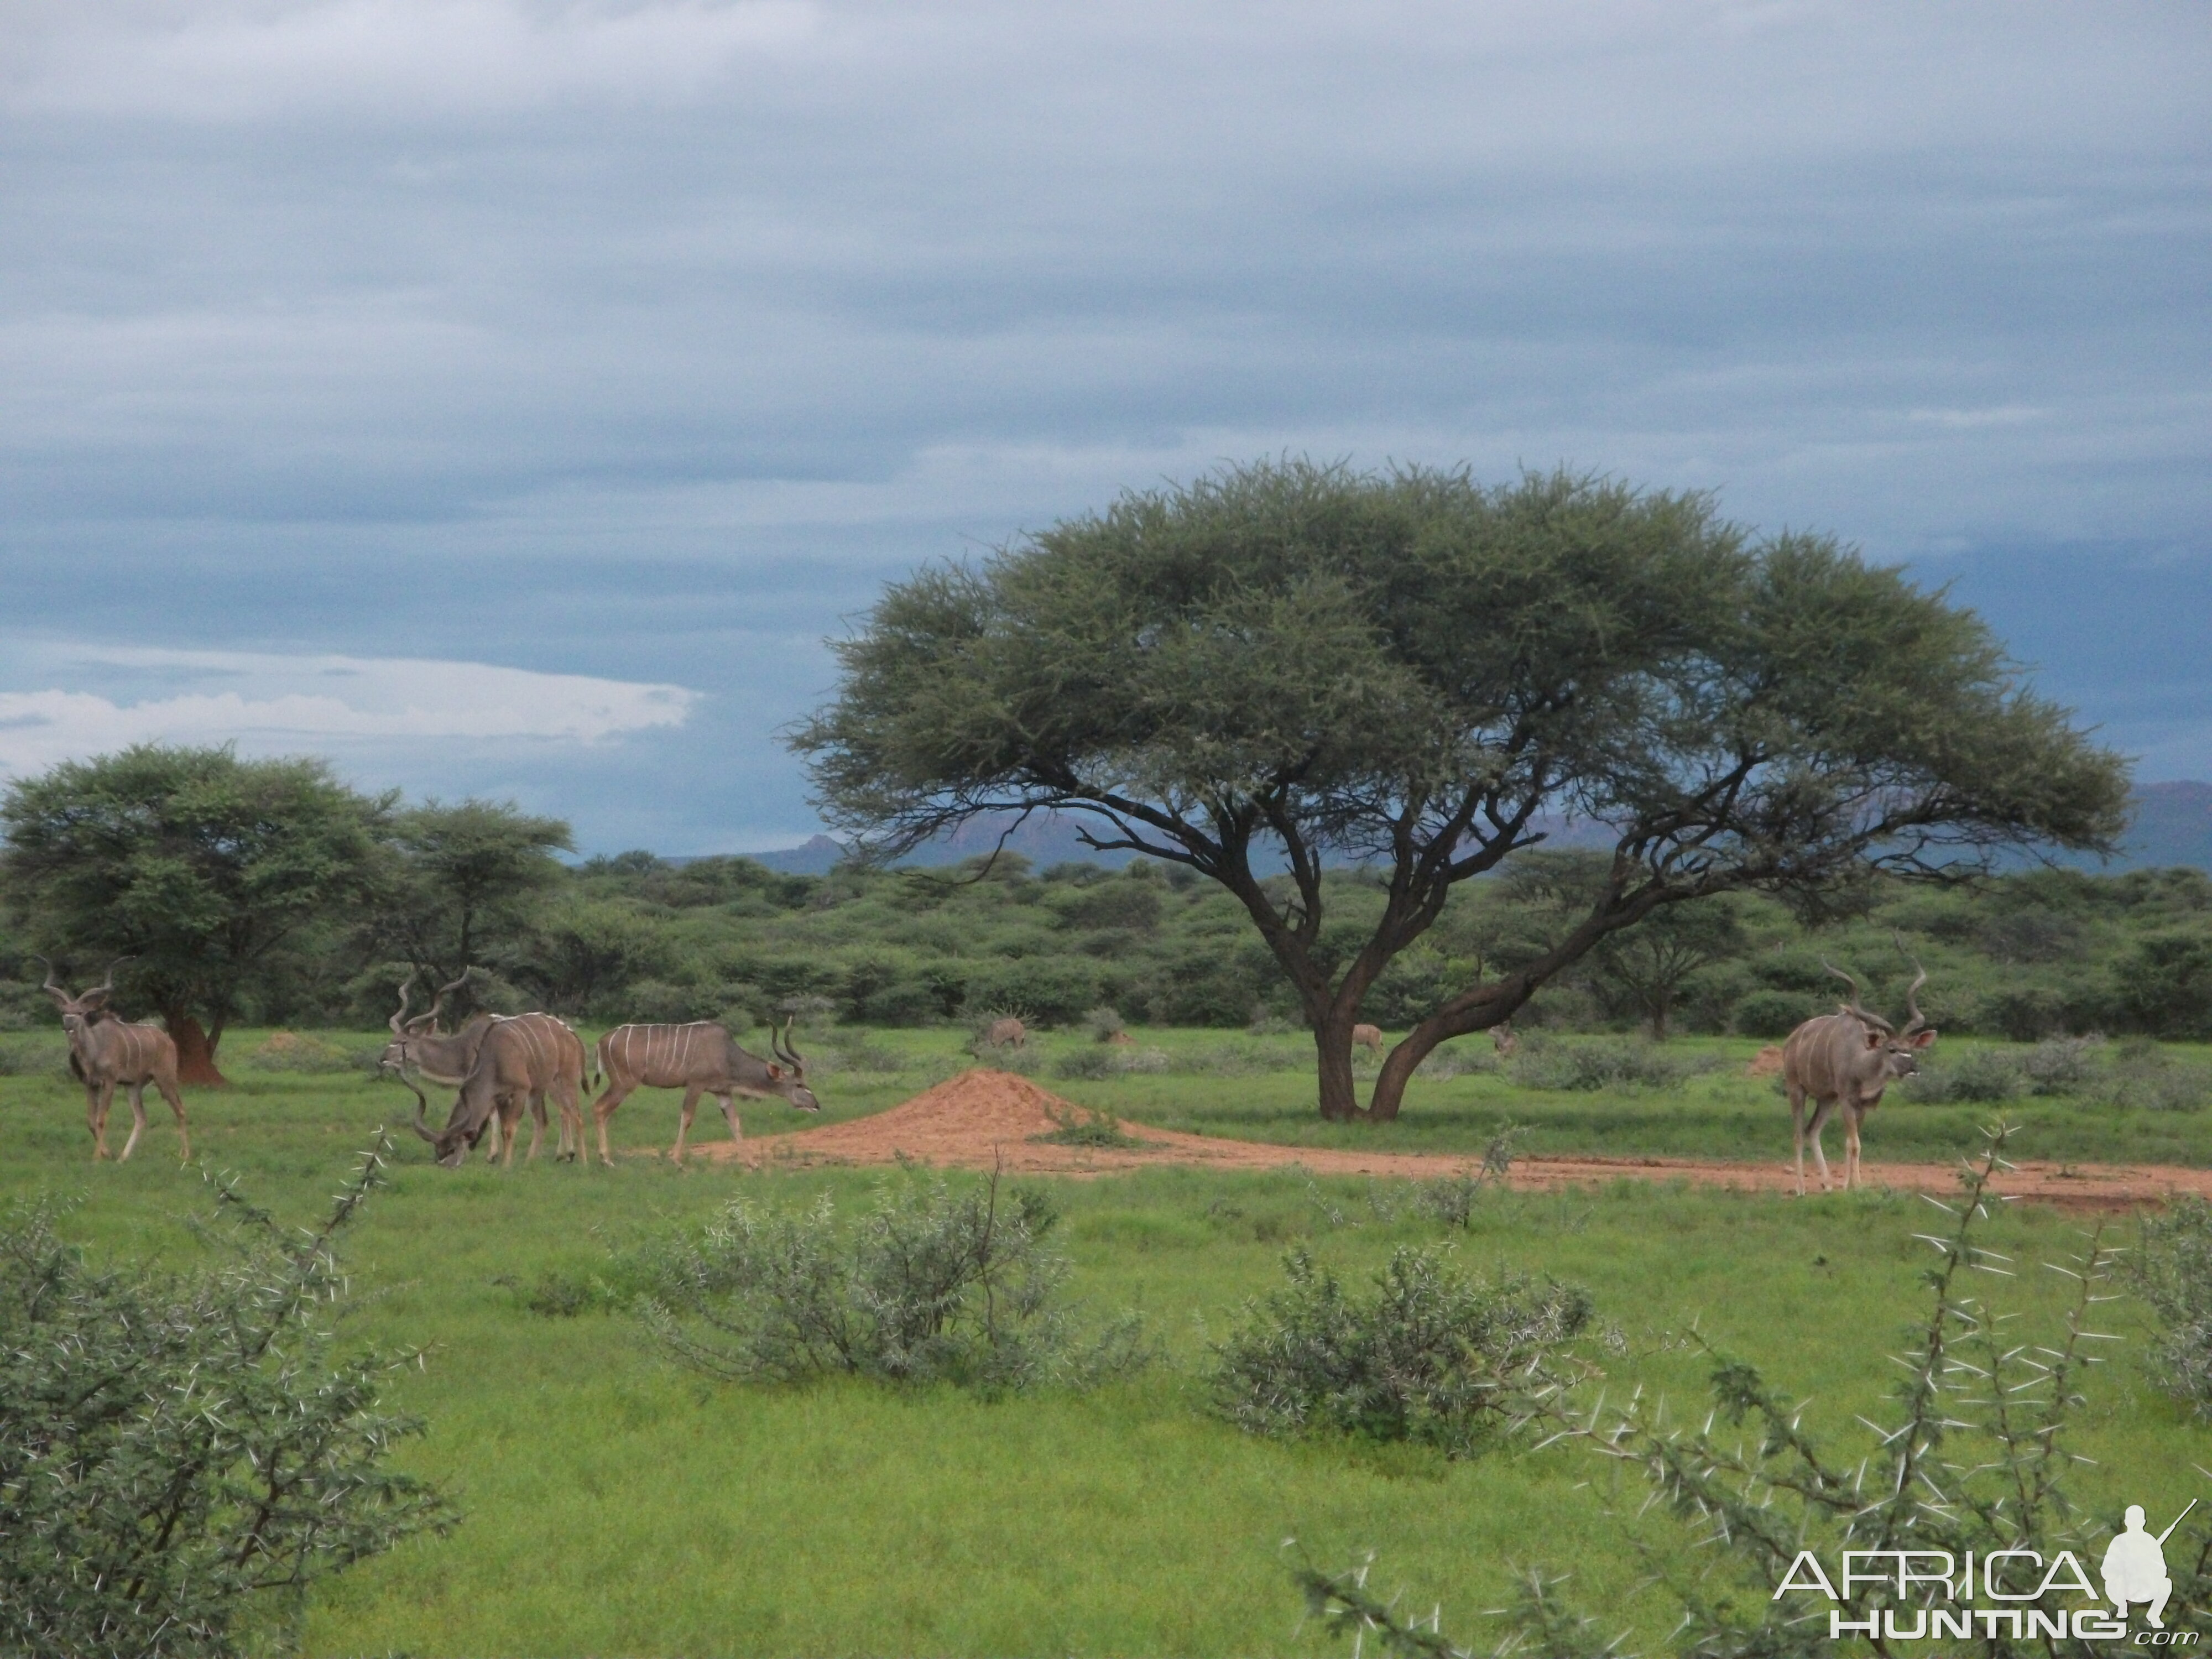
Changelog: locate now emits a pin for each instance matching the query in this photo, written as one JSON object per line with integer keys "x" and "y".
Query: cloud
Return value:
{"x": 270, "y": 703}
{"x": 254, "y": 58}
{"x": 604, "y": 335}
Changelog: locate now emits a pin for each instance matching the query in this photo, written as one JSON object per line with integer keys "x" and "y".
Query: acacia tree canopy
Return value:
{"x": 1285, "y": 664}
{"x": 462, "y": 877}
{"x": 195, "y": 863}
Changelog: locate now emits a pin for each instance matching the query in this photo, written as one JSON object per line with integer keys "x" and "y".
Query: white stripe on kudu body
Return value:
{"x": 699, "y": 1058}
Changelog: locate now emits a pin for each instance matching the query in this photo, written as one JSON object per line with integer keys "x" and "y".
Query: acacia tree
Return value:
{"x": 457, "y": 895}
{"x": 198, "y": 865}
{"x": 1285, "y": 664}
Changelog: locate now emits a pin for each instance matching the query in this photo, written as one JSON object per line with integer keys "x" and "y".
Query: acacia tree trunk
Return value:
{"x": 195, "y": 1050}
{"x": 1339, "y": 1097}
{"x": 1398, "y": 1065}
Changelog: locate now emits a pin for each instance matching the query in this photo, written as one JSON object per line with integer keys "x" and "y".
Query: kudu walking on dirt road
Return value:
{"x": 699, "y": 1058}
{"x": 107, "y": 1051}
{"x": 499, "y": 1063}
{"x": 1845, "y": 1060}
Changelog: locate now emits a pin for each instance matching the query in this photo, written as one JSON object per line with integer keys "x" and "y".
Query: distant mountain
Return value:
{"x": 2173, "y": 825}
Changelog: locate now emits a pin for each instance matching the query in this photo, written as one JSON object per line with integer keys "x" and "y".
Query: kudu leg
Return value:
{"x": 177, "y": 1105}
{"x": 537, "y": 1124}
{"x": 1851, "y": 1122}
{"x": 683, "y": 1128}
{"x": 603, "y": 1108}
{"x": 729, "y": 1111}
{"x": 137, "y": 1120}
{"x": 1797, "y": 1132}
{"x": 572, "y": 1124}
{"x": 96, "y": 1099}
{"x": 1819, "y": 1157}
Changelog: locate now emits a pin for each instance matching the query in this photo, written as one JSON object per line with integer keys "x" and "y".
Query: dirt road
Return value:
{"x": 982, "y": 1117}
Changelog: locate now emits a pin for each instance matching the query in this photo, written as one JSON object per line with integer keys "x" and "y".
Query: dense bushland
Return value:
{"x": 2046, "y": 954}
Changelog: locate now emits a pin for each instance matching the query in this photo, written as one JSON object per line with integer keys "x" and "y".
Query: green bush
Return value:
{"x": 2061, "y": 1066}
{"x": 38, "y": 1057}
{"x": 1430, "y": 1357}
{"x": 933, "y": 1284}
{"x": 181, "y": 1458}
{"x": 1772, "y": 1013}
{"x": 2143, "y": 1076}
{"x": 1599, "y": 1064}
{"x": 2174, "y": 1271}
{"x": 2021, "y": 1013}
{"x": 287, "y": 1051}
{"x": 1981, "y": 1075}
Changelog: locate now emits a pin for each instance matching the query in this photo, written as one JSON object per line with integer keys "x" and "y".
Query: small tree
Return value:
{"x": 181, "y": 1459}
{"x": 1285, "y": 664}
{"x": 458, "y": 896}
{"x": 199, "y": 866}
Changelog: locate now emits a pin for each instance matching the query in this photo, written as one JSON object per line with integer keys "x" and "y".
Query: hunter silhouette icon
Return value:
{"x": 2134, "y": 1566}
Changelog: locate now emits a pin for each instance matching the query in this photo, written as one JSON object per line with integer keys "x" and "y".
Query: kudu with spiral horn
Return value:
{"x": 499, "y": 1064}
{"x": 1842, "y": 1062}
{"x": 699, "y": 1058}
{"x": 107, "y": 1052}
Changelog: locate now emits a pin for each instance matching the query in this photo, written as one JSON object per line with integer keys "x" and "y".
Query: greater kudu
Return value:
{"x": 699, "y": 1058}
{"x": 107, "y": 1051}
{"x": 1845, "y": 1060}
{"x": 499, "y": 1063}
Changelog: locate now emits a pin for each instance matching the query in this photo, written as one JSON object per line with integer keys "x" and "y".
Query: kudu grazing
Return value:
{"x": 499, "y": 1064}
{"x": 699, "y": 1058}
{"x": 106, "y": 1052}
{"x": 1843, "y": 1061}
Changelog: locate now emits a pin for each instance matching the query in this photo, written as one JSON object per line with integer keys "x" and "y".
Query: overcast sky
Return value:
{"x": 506, "y": 396}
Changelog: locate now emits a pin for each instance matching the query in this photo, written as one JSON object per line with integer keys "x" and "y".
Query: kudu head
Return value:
{"x": 87, "y": 1009}
{"x": 450, "y": 1145}
{"x": 1900, "y": 1050}
{"x": 408, "y": 1032}
{"x": 791, "y": 1084}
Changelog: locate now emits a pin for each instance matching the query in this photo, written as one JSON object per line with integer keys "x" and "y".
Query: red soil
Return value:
{"x": 982, "y": 1117}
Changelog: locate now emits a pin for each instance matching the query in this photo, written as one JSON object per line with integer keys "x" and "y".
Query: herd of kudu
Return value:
{"x": 500, "y": 1064}
{"x": 497, "y": 1063}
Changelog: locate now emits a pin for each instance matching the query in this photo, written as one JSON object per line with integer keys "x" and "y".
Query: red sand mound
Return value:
{"x": 980, "y": 1117}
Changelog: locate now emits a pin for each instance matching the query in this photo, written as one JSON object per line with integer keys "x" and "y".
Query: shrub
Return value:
{"x": 1095, "y": 1064}
{"x": 1086, "y": 1128}
{"x": 933, "y": 1284}
{"x": 287, "y": 1051}
{"x": 2142, "y": 1077}
{"x": 1982, "y": 1074}
{"x": 1104, "y": 1025}
{"x": 35, "y": 1057}
{"x": 2174, "y": 1271}
{"x": 1431, "y": 1357}
{"x": 2061, "y": 1066}
{"x": 1456, "y": 1060}
{"x": 2025, "y": 1014}
{"x": 1604, "y": 1065}
{"x": 181, "y": 1458}
{"x": 1772, "y": 1013}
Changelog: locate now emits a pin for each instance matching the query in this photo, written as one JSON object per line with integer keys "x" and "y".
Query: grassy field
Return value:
{"x": 616, "y": 1505}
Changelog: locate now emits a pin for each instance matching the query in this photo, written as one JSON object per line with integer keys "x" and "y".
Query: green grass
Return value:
{"x": 616, "y": 1505}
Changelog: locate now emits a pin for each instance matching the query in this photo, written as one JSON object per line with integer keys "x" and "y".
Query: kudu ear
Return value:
{"x": 775, "y": 1072}
{"x": 1922, "y": 1039}
{"x": 1872, "y": 1037}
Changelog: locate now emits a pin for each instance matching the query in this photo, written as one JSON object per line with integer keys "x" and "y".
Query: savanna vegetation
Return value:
{"x": 613, "y": 1499}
